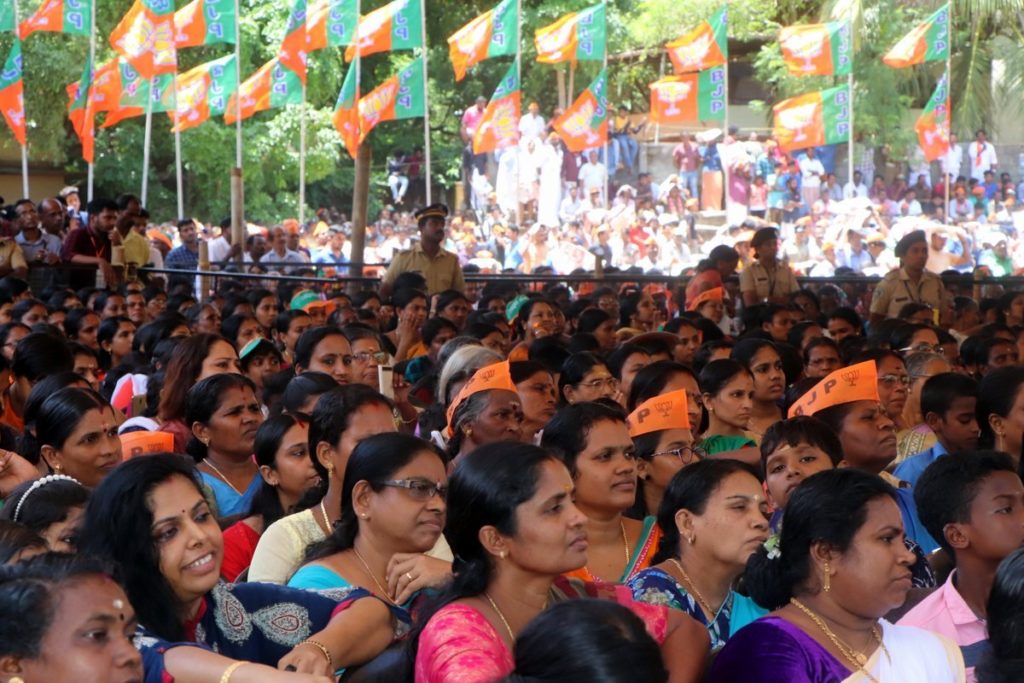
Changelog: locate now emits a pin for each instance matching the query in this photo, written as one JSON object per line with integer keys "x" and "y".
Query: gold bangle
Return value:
{"x": 226, "y": 676}
{"x": 323, "y": 648}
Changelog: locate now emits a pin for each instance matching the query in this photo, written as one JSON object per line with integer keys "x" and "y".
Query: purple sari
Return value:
{"x": 772, "y": 650}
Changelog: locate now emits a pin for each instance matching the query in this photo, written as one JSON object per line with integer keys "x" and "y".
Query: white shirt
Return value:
{"x": 219, "y": 249}
{"x": 985, "y": 162}
{"x": 593, "y": 175}
{"x": 531, "y": 126}
{"x": 850, "y": 190}
{"x": 952, "y": 161}
{"x": 811, "y": 171}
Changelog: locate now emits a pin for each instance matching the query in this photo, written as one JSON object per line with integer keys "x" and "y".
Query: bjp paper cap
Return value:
{"x": 854, "y": 383}
{"x": 667, "y": 411}
{"x": 716, "y": 294}
{"x": 146, "y": 443}
{"x": 496, "y": 376}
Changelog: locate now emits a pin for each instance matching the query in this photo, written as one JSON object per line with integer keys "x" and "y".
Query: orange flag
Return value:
{"x": 145, "y": 37}
{"x": 492, "y": 34}
{"x": 811, "y": 120}
{"x": 703, "y": 47}
{"x": 395, "y": 26}
{"x": 499, "y": 126}
{"x": 584, "y": 125}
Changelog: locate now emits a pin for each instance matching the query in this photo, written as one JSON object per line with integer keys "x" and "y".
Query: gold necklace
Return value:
{"x": 855, "y": 657}
{"x": 625, "y": 545}
{"x": 327, "y": 520}
{"x": 206, "y": 461}
{"x": 704, "y": 604}
{"x": 511, "y": 635}
{"x": 383, "y": 590}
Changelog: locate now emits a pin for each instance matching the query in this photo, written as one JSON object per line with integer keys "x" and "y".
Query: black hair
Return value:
{"x": 815, "y": 343}
{"x": 566, "y": 433}
{"x": 945, "y": 490}
{"x": 374, "y": 459}
{"x": 152, "y": 333}
{"x": 15, "y": 539}
{"x": 628, "y": 306}
{"x": 941, "y": 390}
{"x": 434, "y": 326}
{"x": 284, "y": 319}
{"x": 231, "y": 325}
{"x": 58, "y": 416}
{"x": 39, "y": 355}
{"x": 850, "y": 316}
{"x": 266, "y": 503}
{"x": 100, "y": 302}
{"x": 30, "y": 592}
{"x": 24, "y": 306}
{"x": 118, "y": 528}
{"x": 651, "y": 381}
{"x": 574, "y": 369}
{"x": 550, "y": 352}
{"x": 48, "y": 504}
{"x": 586, "y": 641}
{"x": 797, "y": 430}
{"x": 448, "y": 297}
{"x": 617, "y": 358}
{"x": 690, "y": 489}
{"x": 718, "y": 373}
{"x": 107, "y": 331}
{"x": 590, "y": 319}
{"x": 1004, "y": 619}
{"x": 522, "y": 370}
{"x": 745, "y": 350}
{"x": 332, "y": 414}
{"x": 707, "y": 349}
{"x": 402, "y": 297}
{"x": 308, "y": 342}
{"x": 795, "y": 337}
{"x": 828, "y": 507}
{"x": 302, "y": 386}
{"x": 997, "y": 392}
{"x": 202, "y": 402}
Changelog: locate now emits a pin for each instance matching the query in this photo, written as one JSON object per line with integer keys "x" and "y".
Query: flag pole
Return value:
{"x": 24, "y": 147}
{"x": 723, "y": 158}
{"x": 519, "y": 82}
{"x": 237, "y": 215}
{"x": 849, "y": 144}
{"x": 177, "y": 155}
{"x": 302, "y": 154}
{"x": 145, "y": 142}
{"x": 92, "y": 68}
{"x": 607, "y": 171}
{"x": 426, "y": 101}
{"x": 949, "y": 106}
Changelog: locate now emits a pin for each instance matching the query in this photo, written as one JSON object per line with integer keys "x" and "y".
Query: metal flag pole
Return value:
{"x": 92, "y": 69}
{"x": 145, "y": 142}
{"x": 426, "y": 102}
{"x": 519, "y": 146}
{"x": 24, "y": 147}
{"x": 177, "y": 155}
{"x": 302, "y": 154}
{"x": 237, "y": 208}
{"x": 849, "y": 144}
{"x": 608, "y": 115}
{"x": 949, "y": 107}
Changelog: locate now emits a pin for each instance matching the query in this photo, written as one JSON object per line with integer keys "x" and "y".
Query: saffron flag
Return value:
{"x": 927, "y": 42}
{"x": 499, "y": 126}
{"x": 399, "y": 97}
{"x": 933, "y": 125}
{"x": 295, "y": 46}
{"x": 205, "y": 22}
{"x": 59, "y": 16}
{"x": 145, "y": 37}
{"x": 395, "y": 26}
{"x": 346, "y": 114}
{"x": 814, "y": 119}
{"x": 818, "y": 49}
{"x": 331, "y": 23}
{"x": 584, "y": 125}
{"x": 203, "y": 91}
{"x": 270, "y": 87}
{"x": 495, "y": 33}
{"x": 120, "y": 91}
{"x": 704, "y": 47}
{"x": 689, "y": 97}
{"x": 12, "y": 86}
{"x": 576, "y": 36}
{"x": 81, "y": 113}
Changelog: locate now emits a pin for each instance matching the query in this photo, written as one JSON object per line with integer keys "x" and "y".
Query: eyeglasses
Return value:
{"x": 367, "y": 356}
{"x": 596, "y": 384}
{"x": 890, "y": 380}
{"x": 920, "y": 348}
{"x": 686, "y": 455}
{"x": 419, "y": 489}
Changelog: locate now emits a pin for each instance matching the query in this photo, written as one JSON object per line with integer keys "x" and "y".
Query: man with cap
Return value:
{"x": 766, "y": 279}
{"x": 910, "y": 283}
{"x": 440, "y": 267}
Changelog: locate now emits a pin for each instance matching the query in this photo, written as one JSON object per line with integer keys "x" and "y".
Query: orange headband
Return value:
{"x": 667, "y": 411}
{"x": 854, "y": 383}
{"x": 496, "y": 376}
{"x": 716, "y": 294}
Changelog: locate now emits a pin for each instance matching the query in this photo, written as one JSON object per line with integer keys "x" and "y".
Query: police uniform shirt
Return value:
{"x": 896, "y": 290}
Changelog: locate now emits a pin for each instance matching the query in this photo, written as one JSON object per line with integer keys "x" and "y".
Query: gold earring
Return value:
{"x": 827, "y": 584}
{"x": 17, "y": 679}
{"x": 502, "y": 554}
{"x": 692, "y": 539}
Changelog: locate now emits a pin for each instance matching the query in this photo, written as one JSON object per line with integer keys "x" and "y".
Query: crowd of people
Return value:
{"x": 446, "y": 478}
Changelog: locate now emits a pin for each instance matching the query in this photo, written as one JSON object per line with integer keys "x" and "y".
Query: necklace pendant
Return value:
{"x": 861, "y": 659}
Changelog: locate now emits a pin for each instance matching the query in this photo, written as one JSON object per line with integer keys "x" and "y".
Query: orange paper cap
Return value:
{"x": 496, "y": 376}
{"x": 146, "y": 443}
{"x": 667, "y": 411}
{"x": 855, "y": 383}
{"x": 716, "y": 294}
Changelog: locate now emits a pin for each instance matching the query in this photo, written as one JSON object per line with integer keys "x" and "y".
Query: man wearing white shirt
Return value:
{"x": 982, "y": 156}
{"x": 856, "y": 187}
{"x": 593, "y": 176}
{"x": 570, "y": 206}
{"x": 953, "y": 159}
{"x": 811, "y": 174}
{"x": 531, "y": 125}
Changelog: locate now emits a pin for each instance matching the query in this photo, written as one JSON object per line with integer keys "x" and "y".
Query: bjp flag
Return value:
{"x": 395, "y": 26}
{"x": 205, "y": 22}
{"x": 927, "y": 42}
{"x": 272, "y": 86}
{"x": 499, "y": 126}
{"x": 818, "y": 49}
{"x": 689, "y": 97}
{"x": 704, "y": 47}
{"x": 145, "y": 37}
{"x": 346, "y": 114}
{"x": 331, "y": 23}
{"x": 294, "y": 48}
{"x": 932, "y": 126}
{"x": 492, "y": 34}
{"x": 814, "y": 119}
{"x": 82, "y": 117}
{"x": 576, "y": 36}
{"x": 203, "y": 91}
{"x": 73, "y": 17}
{"x": 12, "y": 99}
{"x": 399, "y": 97}
{"x": 584, "y": 125}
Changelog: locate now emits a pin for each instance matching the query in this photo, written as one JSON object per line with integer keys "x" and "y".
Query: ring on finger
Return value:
{"x": 409, "y": 576}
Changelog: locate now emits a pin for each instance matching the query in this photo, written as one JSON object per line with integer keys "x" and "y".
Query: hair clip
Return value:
{"x": 38, "y": 484}
{"x": 773, "y": 545}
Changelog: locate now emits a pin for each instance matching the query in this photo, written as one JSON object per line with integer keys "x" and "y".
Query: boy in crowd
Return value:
{"x": 973, "y": 503}
{"x": 948, "y": 403}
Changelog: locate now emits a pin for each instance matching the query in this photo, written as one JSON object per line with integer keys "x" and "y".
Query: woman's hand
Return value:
{"x": 401, "y": 388}
{"x": 14, "y": 470}
{"x": 308, "y": 659}
{"x": 410, "y": 572}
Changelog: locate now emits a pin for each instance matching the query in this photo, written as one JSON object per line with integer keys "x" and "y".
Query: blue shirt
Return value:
{"x": 910, "y": 469}
{"x": 227, "y": 499}
{"x": 181, "y": 258}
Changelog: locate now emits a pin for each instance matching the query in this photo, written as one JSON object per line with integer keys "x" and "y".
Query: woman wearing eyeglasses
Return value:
{"x": 893, "y": 384}
{"x": 392, "y": 507}
{"x": 660, "y": 429}
{"x": 713, "y": 518}
{"x": 585, "y": 377}
{"x": 368, "y": 355}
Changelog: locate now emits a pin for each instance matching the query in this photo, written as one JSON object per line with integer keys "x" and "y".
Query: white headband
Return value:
{"x": 38, "y": 484}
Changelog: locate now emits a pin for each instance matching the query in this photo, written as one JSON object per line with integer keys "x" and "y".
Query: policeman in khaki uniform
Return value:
{"x": 766, "y": 279}
{"x": 440, "y": 267}
{"x": 910, "y": 283}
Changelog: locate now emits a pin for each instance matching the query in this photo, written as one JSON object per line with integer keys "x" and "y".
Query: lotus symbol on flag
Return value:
{"x": 673, "y": 93}
{"x": 798, "y": 119}
{"x": 369, "y": 26}
{"x": 578, "y": 123}
{"x": 692, "y": 55}
{"x": 155, "y": 38}
{"x": 555, "y": 42}
{"x": 191, "y": 94}
{"x": 806, "y": 45}
{"x": 371, "y": 107}
{"x": 503, "y": 123}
